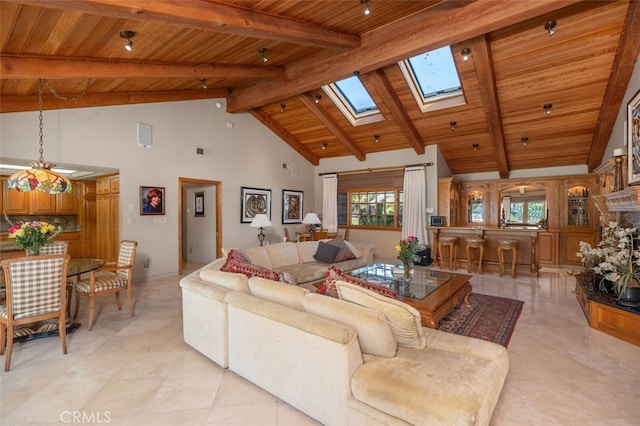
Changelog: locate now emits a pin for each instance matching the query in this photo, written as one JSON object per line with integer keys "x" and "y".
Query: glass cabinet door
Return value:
{"x": 578, "y": 206}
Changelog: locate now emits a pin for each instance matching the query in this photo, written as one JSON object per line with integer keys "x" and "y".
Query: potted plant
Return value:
{"x": 621, "y": 263}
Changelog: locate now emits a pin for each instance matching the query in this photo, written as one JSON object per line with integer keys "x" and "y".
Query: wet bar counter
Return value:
{"x": 527, "y": 236}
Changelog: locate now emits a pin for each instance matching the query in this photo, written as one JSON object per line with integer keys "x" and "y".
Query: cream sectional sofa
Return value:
{"x": 361, "y": 360}
{"x": 204, "y": 310}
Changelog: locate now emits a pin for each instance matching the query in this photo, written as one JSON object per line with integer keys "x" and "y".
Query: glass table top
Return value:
{"x": 423, "y": 281}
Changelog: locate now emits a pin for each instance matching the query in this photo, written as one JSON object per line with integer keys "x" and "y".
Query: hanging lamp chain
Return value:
{"x": 78, "y": 96}
{"x": 40, "y": 117}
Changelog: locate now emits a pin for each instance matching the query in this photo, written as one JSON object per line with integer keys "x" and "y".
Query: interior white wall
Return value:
{"x": 239, "y": 151}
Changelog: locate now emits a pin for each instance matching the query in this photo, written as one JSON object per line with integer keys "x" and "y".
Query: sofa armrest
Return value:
{"x": 193, "y": 283}
{"x": 365, "y": 249}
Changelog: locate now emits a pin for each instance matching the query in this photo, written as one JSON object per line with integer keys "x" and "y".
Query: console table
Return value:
{"x": 604, "y": 315}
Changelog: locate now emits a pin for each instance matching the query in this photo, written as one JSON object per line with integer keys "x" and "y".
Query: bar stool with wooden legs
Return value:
{"x": 449, "y": 242}
{"x": 475, "y": 243}
{"x": 508, "y": 245}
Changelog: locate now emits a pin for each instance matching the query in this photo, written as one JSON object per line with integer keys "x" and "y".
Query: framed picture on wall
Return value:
{"x": 198, "y": 204}
{"x": 151, "y": 200}
{"x": 633, "y": 139}
{"x": 292, "y": 206}
{"x": 254, "y": 201}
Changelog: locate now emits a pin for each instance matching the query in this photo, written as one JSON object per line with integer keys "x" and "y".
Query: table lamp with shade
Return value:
{"x": 312, "y": 220}
{"x": 261, "y": 221}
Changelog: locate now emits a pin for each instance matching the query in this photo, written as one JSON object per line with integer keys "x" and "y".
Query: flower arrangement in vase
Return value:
{"x": 407, "y": 250}
{"x": 616, "y": 258}
{"x": 31, "y": 236}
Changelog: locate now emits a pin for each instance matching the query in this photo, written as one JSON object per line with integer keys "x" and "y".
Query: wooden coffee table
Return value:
{"x": 433, "y": 293}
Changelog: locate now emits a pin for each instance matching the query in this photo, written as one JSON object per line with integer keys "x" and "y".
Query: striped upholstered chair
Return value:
{"x": 35, "y": 288}
{"x": 56, "y": 247}
{"x": 110, "y": 279}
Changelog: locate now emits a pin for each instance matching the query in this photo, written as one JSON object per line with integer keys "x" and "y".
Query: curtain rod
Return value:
{"x": 375, "y": 169}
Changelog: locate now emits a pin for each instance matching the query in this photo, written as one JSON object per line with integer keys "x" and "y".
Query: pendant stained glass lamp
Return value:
{"x": 39, "y": 177}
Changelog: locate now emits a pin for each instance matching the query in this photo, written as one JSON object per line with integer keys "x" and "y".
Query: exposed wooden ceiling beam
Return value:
{"x": 481, "y": 50}
{"x": 384, "y": 88}
{"x": 402, "y": 39}
{"x": 621, "y": 71}
{"x": 210, "y": 16}
{"x": 280, "y": 131}
{"x": 30, "y": 103}
{"x": 32, "y": 66}
{"x": 332, "y": 126}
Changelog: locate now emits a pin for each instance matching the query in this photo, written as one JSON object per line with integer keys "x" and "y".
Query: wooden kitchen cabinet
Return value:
{"x": 108, "y": 217}
{"x": 14, "y": 202}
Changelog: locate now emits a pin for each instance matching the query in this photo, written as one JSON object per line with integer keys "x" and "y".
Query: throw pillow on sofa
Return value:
{"x": 344, "y": 253}
{"x": 249, "y": 269}
{"x": 334, "y": 274}
{"x": 404, "y": 320}
{"x": 326, "y": 253}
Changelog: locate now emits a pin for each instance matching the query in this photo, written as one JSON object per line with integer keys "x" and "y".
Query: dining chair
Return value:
{"x": 59, "y": 247}
{"x": 56, "y": 247}
{"x": 35, "y": 287}
{"x": 112, "y": 278}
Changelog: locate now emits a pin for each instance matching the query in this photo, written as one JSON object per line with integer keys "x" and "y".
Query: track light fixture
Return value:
{"x": 128, "y": 35}
{"x": 376, "y": 138}
{"x": 204, "y": 83}
{"x": 263, "y": 52}
{"x": 366, "y": 6}
{"x": 549, "y": 26}
{"x": 547, "y": 108}
{"x": 466, "y": 52}
{"x": 524, "y": 140}
{"x": 283, "y": 107}
{"x": 475, "y": 147}
{"x": 318, "y": 96}
{"x": 453, "y": 125}
{"x": 324, "y": 145}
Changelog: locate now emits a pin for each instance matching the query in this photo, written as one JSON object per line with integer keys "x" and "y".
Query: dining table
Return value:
{"x": 75, "y": 268}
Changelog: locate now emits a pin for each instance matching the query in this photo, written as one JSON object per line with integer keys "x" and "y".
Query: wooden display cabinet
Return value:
{"x": 449, "y": 201}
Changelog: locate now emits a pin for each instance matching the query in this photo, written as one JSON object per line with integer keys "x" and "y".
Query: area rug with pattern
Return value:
{"x": 489, "y": 318}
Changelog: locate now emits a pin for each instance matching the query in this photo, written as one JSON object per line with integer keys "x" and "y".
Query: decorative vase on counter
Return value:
{"x": 630, "y": 297}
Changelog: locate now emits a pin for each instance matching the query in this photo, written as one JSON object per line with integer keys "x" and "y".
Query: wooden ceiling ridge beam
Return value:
{"x": 322, "y": 115}
{"x": 283, "y": 134}
{"x": 30, "y": 103}
{"x": 399, "y": 40}
{"x": 483, "y": 62}
{"x": 210, "y": 16}
{"x": 36, "y": 66}
{"x": 621, "y": 72}
{"x": 384, "y": 88}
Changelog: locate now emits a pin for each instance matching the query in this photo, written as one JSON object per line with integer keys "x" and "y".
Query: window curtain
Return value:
{"x": 330, "y": 202}
{"x": 415, "y": 204}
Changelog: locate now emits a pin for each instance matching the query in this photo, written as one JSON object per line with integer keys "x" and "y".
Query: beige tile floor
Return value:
{"x": 140, "y": 372}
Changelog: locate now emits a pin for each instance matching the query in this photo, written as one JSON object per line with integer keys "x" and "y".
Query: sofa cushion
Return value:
{"x": 431, "y": 386}
{"x": 374, "y": 333}
{"x": 258, "y": 256}
{"x": 334, "y": 274}
{"x": 233, "y": 281}
{"x": 344, "y": 253}
{"x": 282, "y": 254}
{"x": 277, "y": 292}
{"x": 353, "y": 249}
{"x": 326, "y": 252}
{"x": 304, "y": 272}
{"x": 306, "y": 250}
{"x": 403, "y": 319}
{"x": 237, "y": 255}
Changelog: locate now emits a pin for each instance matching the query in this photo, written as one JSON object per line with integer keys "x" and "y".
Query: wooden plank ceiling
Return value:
{"x": 515, "y": 68}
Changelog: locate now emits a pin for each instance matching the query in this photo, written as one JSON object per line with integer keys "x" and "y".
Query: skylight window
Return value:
{"x": 353, "y": 100}
{"x": 433, "y": 79}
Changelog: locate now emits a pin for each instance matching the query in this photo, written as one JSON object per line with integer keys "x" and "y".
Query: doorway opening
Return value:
{"x": 199, "y": 222}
